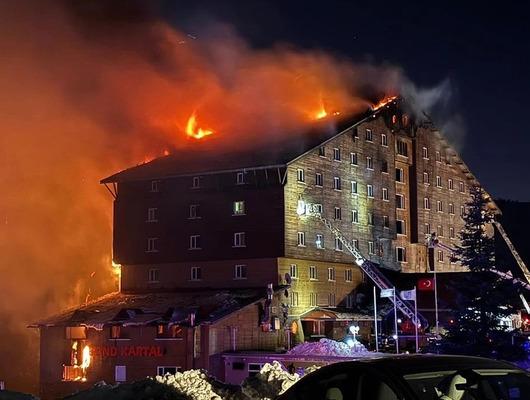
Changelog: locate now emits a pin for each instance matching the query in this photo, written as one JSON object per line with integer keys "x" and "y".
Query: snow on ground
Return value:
{"x": 328, "y": 347}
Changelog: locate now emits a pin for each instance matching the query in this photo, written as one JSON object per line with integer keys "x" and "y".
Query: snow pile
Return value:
{"x": 270, "y": 382}
{"x": 328, "y": 347}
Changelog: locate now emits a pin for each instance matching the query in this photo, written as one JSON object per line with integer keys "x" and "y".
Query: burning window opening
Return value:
{"x": 195, "y": 132}
{"x": 79, "y": 362}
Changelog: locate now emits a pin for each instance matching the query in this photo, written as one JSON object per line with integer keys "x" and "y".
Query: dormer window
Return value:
{"x": 240, "y": 178}
{"x": 196, "y": 182}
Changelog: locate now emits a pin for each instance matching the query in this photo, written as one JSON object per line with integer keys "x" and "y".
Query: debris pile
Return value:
{"x": 270, "y": 382}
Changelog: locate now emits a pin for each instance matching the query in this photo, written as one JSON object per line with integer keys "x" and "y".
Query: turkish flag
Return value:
{"x": 426, "y": 284}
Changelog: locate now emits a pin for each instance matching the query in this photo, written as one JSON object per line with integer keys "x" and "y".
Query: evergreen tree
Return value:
{"x": 484, "y": 297}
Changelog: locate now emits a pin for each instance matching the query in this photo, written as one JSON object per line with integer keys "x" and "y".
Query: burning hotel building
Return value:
{"x": 215, "y": 259}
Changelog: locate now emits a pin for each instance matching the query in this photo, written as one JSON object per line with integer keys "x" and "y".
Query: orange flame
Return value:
{"x": 383, "y": 102}
{"x": 322, "y": 112}
{"x": 193, "y": 131}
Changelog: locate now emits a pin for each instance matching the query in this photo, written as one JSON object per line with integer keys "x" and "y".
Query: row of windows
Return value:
{"x": 438, "y": 155}
{"x": 440, "y": 206}
{"x": 196, "y": 182}
{"x": 439, "y": 231}
{"x": 194, "y": 211}
{"x": 239, "y": 240}
{"x": 240, "y": 272}
{"x": 313, "y": 299}
{"x": 319, "y": 179}
{"x": 313, "y": 273}
{"x": 450, "y": 182}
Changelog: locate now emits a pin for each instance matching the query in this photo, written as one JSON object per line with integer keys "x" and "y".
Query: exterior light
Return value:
{"x": 399, "y": 321}
{"x": 350, "y": 342}
{"x": 394, "y": 337}
{"x": 300, "y": 209}
{"x": 359, "y": 261}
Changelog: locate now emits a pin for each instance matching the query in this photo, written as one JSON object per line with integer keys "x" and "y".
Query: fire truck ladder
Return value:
{"x": 373, "y": 273}
{"x": 515, "y": 254}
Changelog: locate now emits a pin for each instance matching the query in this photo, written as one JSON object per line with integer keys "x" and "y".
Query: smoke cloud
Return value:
{"x": 88, "y": 88}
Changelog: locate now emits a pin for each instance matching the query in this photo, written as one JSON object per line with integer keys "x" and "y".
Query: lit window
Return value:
{"x": 355, "y": 216}
{"x": 239, "y": 239}
{"x": 369, "y": 135}
{"x": 371, "y": 247}
{"x": 196, "y": 274}
{"x": 195, "y": 242}
{"x": 322, "y": 151}
{"x": 151, "y": 245}
{"x": 425, "y": 153}
{"x": 194, "y": 211}
{"x": 402, "y": 148}
{"x": 240, "y": 178}
{"x": 196, "y": 182}
{"x": 312, "y": 299}
{"x": 401, "y": 254}
{"x": 353, "y": 187}
{"x": 336, "y": 183}
{"x": 400, "y": 201}
{"x": 293, "y": 271}
{"x": 450, "y": 184}
{"x": 115, "y": 332}
{"x": 151, "y": 214}
{"x": 155, "y": 186}
{"x": 348, "y": 275}
{"x": 370, "y": 190}
{"x": 300, "y": 176}
{"x": 338, "y": 213}
{"x": 400, "y": 227}
{"x": 440, "y": 256}
{"x": 120, "y": 373}
{"x": 240, "y": 271}
{"x": 294, "y": 299}
{"x": 394, "y": 119}
{"x": 451, "y": 208}
{"x": 153, "y": 275}
{"x": 384, "y": 193}
{"x": 238, "y": 207}
{"x": 440, "y": 206}
{"x": 370, "y": 218}
{"x": 319, "y": 180}
{"x": 384, "y": 140}
{"x": 369, "y": 163}
{"x": 338, "y": 244}
{"x": 319, "y": 241}
{"x": 336, "y": 154}
{"x": 400, "y": 175}
{"x": 386, "y": 222}
{"x": 461, "y": 187}
{"x": 331, "y": 274}
{"x": 438, "y": 181}
{"x": 426, "y": 203}
{"x": 313, "y": 272}
{"x": 426, "y": 178}
{"x": 353, "y": 159}
{"x": 301, "y": 239}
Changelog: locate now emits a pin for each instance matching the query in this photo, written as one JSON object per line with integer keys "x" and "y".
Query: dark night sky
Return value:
{"x": 483, "y": 49}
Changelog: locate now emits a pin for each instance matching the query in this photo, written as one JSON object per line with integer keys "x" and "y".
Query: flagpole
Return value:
{"x": 395, "y": 322}
{"x": 416, "y": 317}
{"x": 375, "y": 322}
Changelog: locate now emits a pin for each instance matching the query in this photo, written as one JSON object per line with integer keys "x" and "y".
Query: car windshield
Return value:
{"x": 471, "y": 384}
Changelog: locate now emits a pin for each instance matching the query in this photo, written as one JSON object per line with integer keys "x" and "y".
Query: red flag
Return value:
{"x": 426, "y": 284}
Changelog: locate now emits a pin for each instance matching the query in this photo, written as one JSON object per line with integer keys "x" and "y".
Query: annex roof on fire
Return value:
{"x": 166, "y": 307}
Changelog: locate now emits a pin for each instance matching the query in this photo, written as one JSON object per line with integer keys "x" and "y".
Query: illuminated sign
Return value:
{"x": 126, "y": 351}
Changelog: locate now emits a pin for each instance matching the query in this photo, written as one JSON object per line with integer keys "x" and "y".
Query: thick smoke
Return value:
{"x": 86, "y": 91}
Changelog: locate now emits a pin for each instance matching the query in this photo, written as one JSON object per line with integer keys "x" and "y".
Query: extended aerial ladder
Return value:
{"x": 366, "y": 265}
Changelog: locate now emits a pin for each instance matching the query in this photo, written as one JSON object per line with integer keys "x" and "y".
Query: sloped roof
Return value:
{"x": 142, "y": 309}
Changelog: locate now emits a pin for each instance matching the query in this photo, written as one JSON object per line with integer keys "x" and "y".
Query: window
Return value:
{"x": 151, "y": 245}
{"x": 370, "y": 218}
{"x": 161, "y": 371}
{"x": 313, "y": 272}
{"x": 318, "y": 179}
{"x": 194, "y": 211}
{"x": 338, "y": 213}
{"x": 440, "y": 256}
{"x": 353, "y": 187}
{"x": 427, "y": 229}
{"x": 400, "y": 227}
{"x": 336, "y": 183}
{"x": 195, "y": 242}
{"x": 386, "y": 222}
{"x": 153, "y": 275}
{"x": 240, "y": 271}
{"x": 338, "y": 244}
{"x": 332, "y": 300}
{"x": 438, "y": 157}
{"x": 426, "y": 203}
{"x": 401, "y": 254}
{"x": 440, "y": 206}
{"x": 336, "y": 154}
{"x": 353, "y": 159}
{"x": 452, "y": 232}
{"x": 384, "y": 193}
{"x": 384, "y": 167}
{"x": 293, "y": 271}
{"x": 450, "y": 184}
{"x": 371, "y": 247}
{"x": 301, "y": 239}
{"x": 348, "y": 275}
{"x": 196, "y": 182}
{"x": 369, "y": 135}
{"x": 405, "y": 120}
{"x": 349, "y": 301}
{"x": 331, "y": 274}
{"x": 370, "y": 190}
{"x": 317, "y": 208}
{"x": 312, "y": 299}
{"x": 120, "y": 373}
{"x": 394, "y": 119}
{"x": 354, "y": 216}
{"x": 440, "y": 231}
{"x": 451, "y": 208}
{"x": 461, "y": 187}
{"x": 254, "y": 368}
{"x": 462, "y": 211}
{"x": 355, "y": 244}
{"x": 384, "y": 140}
{"x": 438, "y": 181}
{"x": 400, "y": 175}
{"x": 369, "y": 163}
{"x": 240, "y": 239}
{"x": 322, "y": 151}
{"x": 425, "y": 153}
{"x": 196, "y": 274}
{"x": 240, "y": 178}
{"x": 402, "y": 148}
{"x": 238, "y": 207}
{"x": 151, "y": 214}
{"x": 400, "y": 201}
{"x": 300, "y": 176}
{"x": 155, "y": 186}
{"x": 294, "y": 299}
{"x": 319, "y": 241}
{"x": 115, "y": 332}
{"x": 426, "y": 178}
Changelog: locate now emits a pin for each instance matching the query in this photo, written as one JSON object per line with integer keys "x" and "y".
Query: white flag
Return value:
{"x": 408, "y": 294}
{"x": 387, "y": 292}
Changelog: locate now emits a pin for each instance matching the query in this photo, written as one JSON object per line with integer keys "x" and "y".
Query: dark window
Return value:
{"x": 322, "y": 151}
{"x": 402, "y": 148}
{"x": 384, "y": 166}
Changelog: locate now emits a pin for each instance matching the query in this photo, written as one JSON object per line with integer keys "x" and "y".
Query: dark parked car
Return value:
{"x": 414, "y": 377}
